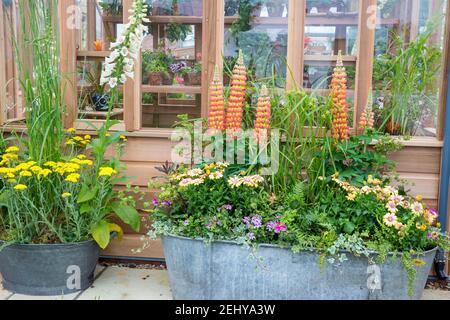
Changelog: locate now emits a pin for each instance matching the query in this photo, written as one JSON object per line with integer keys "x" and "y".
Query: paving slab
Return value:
{"x": 72, "y": 296}
{"x": 117, "y": 283}
{"x": 436, "y": 295}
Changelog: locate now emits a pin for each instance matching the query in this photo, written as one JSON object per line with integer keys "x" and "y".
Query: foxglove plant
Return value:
{"x": 120, "y": 64}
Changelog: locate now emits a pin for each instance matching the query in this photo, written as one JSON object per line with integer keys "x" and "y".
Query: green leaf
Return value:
{"x": 85, "y": 207}
{"x": 4, "y": 196}
{"x": 101, "y": 233}
{"x": 86, "y": 194}
{"x": 349, "y": 227}
{"x": 116, "y": 228}
{"x": 127, "y": 214}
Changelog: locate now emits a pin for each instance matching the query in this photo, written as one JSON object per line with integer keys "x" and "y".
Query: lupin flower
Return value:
{"x": 367, "y": 118}
{"x": 263, "y": 114}
{"x": 216, "y": 119}
{"x": 236, "y": 100}
{"x": 340, "y": 107}
{"x": 120, "y": 64}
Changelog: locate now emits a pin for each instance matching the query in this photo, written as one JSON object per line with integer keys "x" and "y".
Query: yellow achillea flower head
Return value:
{"x": 74, "y": 177}
{"x": 66, "y": 195}
{"x": 20, "y": 187}
{"x": 106, "y": 172}
{"x": 71, "y": 130}
{"x": 12, "y": 149}
{"x": 26, "y": 174}
{"x": 123, "y": 138}
{"x": 44, "y": 173}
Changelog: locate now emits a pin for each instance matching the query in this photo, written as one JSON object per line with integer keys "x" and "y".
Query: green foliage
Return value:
{"x": 157, "y": 61}
{"x": 112, "y": 7}
{"x": 355, "y": 161}
{"x": 405, "y": 77}
{"x": 43, "y": 119}
{"x": 178, "y": 32}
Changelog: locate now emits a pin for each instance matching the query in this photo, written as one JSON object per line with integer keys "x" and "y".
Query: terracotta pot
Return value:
{"x": 193, "y": 79}
{"x": 167, "y": 78}
{"x": 393, "y": 128}
{"x": 323, "y": 9}
{"x": 155, "y": 78}
{"x": 275, "y": 9}
{"x": 256, "y": 12}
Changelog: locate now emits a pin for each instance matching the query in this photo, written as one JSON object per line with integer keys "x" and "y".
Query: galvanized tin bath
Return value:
{"x": 48, "y": 270}
{"x": 224, "y": 271}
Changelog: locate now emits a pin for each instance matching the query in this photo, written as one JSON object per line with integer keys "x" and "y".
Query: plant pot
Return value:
{"x": 155, "y": 78}
{"x": 275, "y": 8}
{"x": 100, "y": 101}
{"x": 49, "y": 270}
{"x": 222, "y": 270}
{"x": 167, "y": 78}
{"x": 257, "y": 9}
{"x": 193, "y": 79}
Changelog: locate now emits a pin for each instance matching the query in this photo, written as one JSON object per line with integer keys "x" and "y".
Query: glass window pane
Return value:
{"x": 260, "y": 29}
{"x": 171, "y": 63}
{"x": 407, "y": 65}
{"x": 331, "y": 27}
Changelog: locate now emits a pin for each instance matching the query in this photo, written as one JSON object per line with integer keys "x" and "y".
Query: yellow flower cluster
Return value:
{"x": 77, "y": 141}
{"x": 107, "y": 172}
{"x": 9, "y": 155}
{"x": 394, "y": 202}
{"x": 25, "y": 170}
{"x": 214, "y": 171}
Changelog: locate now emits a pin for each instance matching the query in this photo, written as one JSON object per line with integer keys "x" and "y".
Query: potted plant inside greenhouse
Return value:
{"x": 58, "y": 205}
{"x": 192, "y": 75}
{"x": 329, "y": 211}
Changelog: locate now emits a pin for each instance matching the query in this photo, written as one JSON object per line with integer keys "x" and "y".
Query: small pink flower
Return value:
{"x": 417, "y": 208}
{"x": 279, "y": 228}
{"x": 390, "y": 219}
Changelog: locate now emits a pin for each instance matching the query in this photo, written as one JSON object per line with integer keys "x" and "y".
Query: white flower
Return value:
{"x": 113, "y": 83}
{"x": 124, "y": 51}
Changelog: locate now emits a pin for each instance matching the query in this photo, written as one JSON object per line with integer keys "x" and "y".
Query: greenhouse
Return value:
{"x": 224, "y": 150}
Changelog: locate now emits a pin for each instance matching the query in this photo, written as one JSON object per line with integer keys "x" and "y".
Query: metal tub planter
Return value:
{"x": 224, "y": 271}
{"x": 48, "y": 270}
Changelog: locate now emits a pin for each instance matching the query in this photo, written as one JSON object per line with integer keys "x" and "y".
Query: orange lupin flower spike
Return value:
{"x": 263, "y": 114}
{"x": 339, "y": 94}
{"x": 367, "y": 118}
{"x": 235, "y": 108}
{"x": 216, "y": 119}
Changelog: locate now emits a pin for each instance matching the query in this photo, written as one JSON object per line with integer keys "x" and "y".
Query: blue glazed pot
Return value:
{"x": 100, "y": 101}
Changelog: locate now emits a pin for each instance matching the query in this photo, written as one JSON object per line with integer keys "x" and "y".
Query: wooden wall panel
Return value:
{"x": 68, "y": 61}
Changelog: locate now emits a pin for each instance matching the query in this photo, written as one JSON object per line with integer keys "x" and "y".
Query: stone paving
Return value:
{"x": 119, "y": 283}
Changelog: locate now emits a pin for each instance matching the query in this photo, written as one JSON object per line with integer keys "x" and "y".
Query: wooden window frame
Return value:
{"x": 212, "y": 55}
